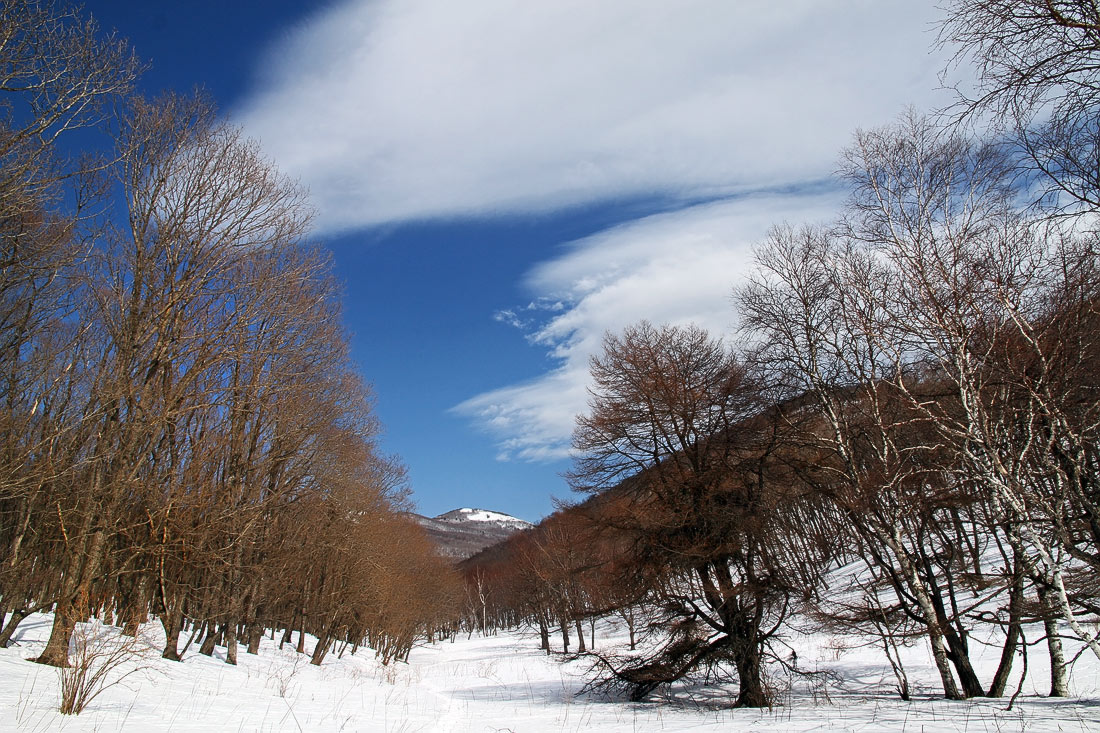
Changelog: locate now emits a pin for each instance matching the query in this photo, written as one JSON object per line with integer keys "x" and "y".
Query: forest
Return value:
{"x": 183, "y": 433}
{"x": 911, "y": 394}
{"x": 912, "y": 391}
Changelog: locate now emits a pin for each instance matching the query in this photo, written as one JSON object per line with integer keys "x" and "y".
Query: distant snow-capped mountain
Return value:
{"x": 461, "y": 533}
{"x": 482, "y": 515}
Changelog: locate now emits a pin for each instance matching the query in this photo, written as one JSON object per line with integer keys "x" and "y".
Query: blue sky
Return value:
{"x": 502, "y": 181}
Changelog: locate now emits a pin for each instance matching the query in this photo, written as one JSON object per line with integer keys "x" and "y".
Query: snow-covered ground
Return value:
{"x": 504, "y": 683}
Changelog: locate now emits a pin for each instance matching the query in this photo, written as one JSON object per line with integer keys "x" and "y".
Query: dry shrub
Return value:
{"x": 97, "y": 655}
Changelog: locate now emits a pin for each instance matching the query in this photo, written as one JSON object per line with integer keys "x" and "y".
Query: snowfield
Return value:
{"x": 504, "y": 683}
{"x": 467, "y": 514}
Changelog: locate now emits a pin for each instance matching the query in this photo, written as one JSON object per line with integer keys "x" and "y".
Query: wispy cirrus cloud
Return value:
{"x": 393, "y": 110}
{"x": 669, "y": 268}
{"x": 401, "y": 110}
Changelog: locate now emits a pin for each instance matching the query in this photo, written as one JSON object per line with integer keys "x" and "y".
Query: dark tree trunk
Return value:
{"x": 231, "y": 642}
{"x": 195, "y": 629}
{"x": 72, "y": 606}
{"x": 134, "y": 611}
{"x": 56, "y": 653}
{"x": 1012, "y": 636}
{"x": 544, "y": 634}
{"x": 958, "y": 654}
{"x": 750, "y": 684}
{"x": 172, "y": 621}
{"x": 210, "y": 640}
{"x": 957, "y": 650}
{"x": 321, "y": 650}
{"x": 14, "y": 620}
{"x": 255, "y": 634}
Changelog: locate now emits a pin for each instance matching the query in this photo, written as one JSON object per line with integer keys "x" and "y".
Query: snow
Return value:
{"x": 484, "y": 515}
{"x": 502, "y": 683}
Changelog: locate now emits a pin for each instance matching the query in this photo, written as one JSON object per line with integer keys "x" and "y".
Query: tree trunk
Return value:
{"x": 255, "y": 634}
{"x": 210, "y": 640}
{"x": 195, "y": 629}
{"x": 544, "y": 635}
{"x": 134, "y": 611}
{"x": 321, "y": 650}
{"x": 957, "y": 648}
{"x": 56, "y": 653}
{"x": 957, "y": 653}
{"x": 750, "y": 684}
{"x": 231, "y": 642}
{"x": 1059, "y": 679}
{"x": 581, "y": 649}
{"x": 565, "y": 636}
{"x": 73, "y": 605}
{"x": 1012, "y": 635}
{"x": 172, "y": 621}
{"x": 935, "y": 633}
{"x": 743, "y": 628}
{"x": 17, "y": 616}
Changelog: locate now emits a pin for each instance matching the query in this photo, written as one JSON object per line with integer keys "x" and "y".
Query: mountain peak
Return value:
{"x": 463, "y": 532}
{"x": 467, "y": 514}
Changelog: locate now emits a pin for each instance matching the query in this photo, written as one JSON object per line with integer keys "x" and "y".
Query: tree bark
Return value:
{"x": 17, "y": 616}
{"x": 750, "y": 685}
{"x": 321, "y": 650}
{"x": 255, "y": 634}
{"x": 56, "y": 653}
{"x": 1059, "y": 678}
{"x": 210, "y": 640}
{"x": 172, "y": 621}
{"x": 231, "y": 642}
{"x": 1012, "y": 637}
{"x": 544, "y": 635}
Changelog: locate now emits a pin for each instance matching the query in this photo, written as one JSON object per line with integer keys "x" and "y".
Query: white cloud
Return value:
{"x": 393, "y": 110}
{"x": 398, "y": 110}
{"x": 669, "y": 268}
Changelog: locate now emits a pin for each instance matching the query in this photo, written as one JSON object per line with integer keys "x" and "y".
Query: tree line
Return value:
{"x": 901, "y": 439}
{"x": 182, "y": 430}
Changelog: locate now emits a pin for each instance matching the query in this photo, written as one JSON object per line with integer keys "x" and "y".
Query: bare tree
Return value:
{"x": 922, "y": 327}
{"x": 997, "y": 306}
{"x": 57, "y": 74}
{"x": 200, "y": 199}
{"x": 677, "y": 427}
{"x": 1038, "y": 65}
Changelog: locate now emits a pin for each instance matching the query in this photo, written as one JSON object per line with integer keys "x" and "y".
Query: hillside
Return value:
{"x": 461, "y": 533}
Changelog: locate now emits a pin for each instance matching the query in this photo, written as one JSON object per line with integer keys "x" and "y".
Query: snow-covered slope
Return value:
{"x": 482, "y": 516}
{"x": 461, "y": 533}
{"x": 504, "y": 682}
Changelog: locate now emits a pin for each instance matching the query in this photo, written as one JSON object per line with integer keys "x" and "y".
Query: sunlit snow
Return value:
{"x": 505, "y": 683}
